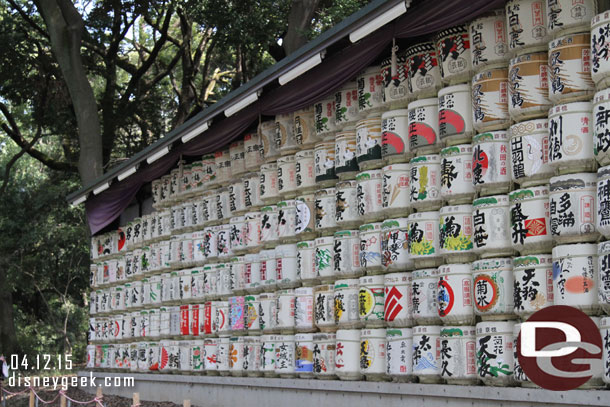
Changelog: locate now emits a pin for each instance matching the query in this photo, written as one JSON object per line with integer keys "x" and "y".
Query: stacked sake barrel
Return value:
{"x": 400, "y": 228}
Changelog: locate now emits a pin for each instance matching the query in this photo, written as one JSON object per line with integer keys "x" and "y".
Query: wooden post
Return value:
{"x": 186, "y": 403}
{"x": 32, "y": 398}
{"x": 136, "y": 399}
{"x": 62, "y": 401}
{"x": 99, "y": 395}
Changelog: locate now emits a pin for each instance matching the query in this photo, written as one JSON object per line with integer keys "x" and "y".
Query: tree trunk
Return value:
{"x": 66, "y": 28}
{"x": 299, "y": 22}
{"x": 8, "y": 336}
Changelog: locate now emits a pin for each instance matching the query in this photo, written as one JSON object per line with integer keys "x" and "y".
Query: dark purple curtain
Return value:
{"x": 424, "y": 17}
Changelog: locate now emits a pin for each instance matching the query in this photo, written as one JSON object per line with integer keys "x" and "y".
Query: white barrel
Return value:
{"x": 346, "y": 105}
{"x": 455, "y": 120}
{"x": 287, "y": 217}
{"x": 425, "y": 182}
{"x": 154, "y": 317}
{"x": 528, "y": 86}
{"x": 373, "y": 363}
{"x": 268, "y": 269}
{"x": 572, "y": 208}
{"x": 399, "y": 353}
{"x": 267, "y": 133}
{"x": 529, "y": 150}
{"x": 253, "y": 151}
{"x": 565, "y": 16}
{"x": 529, "y": 218}
{"x": 303, "y": 358}
{"x": 520, "y": 376}
{"x": 395, "y": 136}
{"x": 269, "y": 193}
{"x": 223, "y": 204}
{"x": 306, "y": 260}
{"x": 346, "y": 211}
{"x": 490, "y": 100}
{"x": 252, "y": 190}
{"x": 221, "y": 321}
{"x": 395, "y": 73}
{"x": 208, "y": 166}
{"x": 164, "y": 319}
{"x": 346, "y": 163}
{"x": 603, "y": 201}
{"x": 209, "y": 211}
{"x": 210, "y": 346}
{"x": 286, "y": 265}
{"x": 490, "y": 164}
{"x": 252, "y": 356}
{"x": 285, "y": 139}
{"x": 491, "y": 226}
{"x": 236, "y": 358}
{"x": 570, "y": 68}
{"x": 493, "y": 288}
{"x": 601, "y": 130}
{"x": 455, "y": 233}
{"x": 252, "y": 231}
{"x": 458, "y": 359}
{"x": 454, "y": 292}
{"x": 268, "y": 355}
{"x": 237, "y": 240}
{"x": 304, "y": 171}
{"x": 224, "y": 289}
{"x": 324, "y": 117}
{"x": 347, "y": 354}
{"x": 222, "y": 158}
{"x": 488, "y": 40}
{"x": 305, "y": 223}
{"x": 324, "y": 304}
{"x": 198, "y": 239}
{"x": 370, "y": 248}
{"x": 398, "y": 305}
{"x": 346, "y": 304}
{"x": 324, "y": 355}
{"x": 269, "y": 225}
{"x": 600, "y": 67}
{"x": 495, "y": 358}
{"x": 570, "y": 140}
{"x": 603, "y": 251}
{"x": 427, "y": 353}
{"x": 533, "y": 287}
{"x": 223, "y": 356}
{"x": 395, "y": 245}
{"x": 223, "y": 241}
{"x": 424, "y": 296}
{"x": 396, "y": 189}
{"x": 253, "y": 272}
{"x": 324, "y": 261}
{"x": 285, "y": 311}
{"x": 423, "y": 126}
{"x": 252, "y": 320}
{"x": 424, "y": 71}
{"x": 237, "y": 157}
{"x": 305, "y": 127}
{"x": 209, "y": 318}
{"x": 453, "y": 48}
{"x": 210, "y": 281}
{"x": 237, "y": 315}
{"x": 325, "y": 205}
{"x": 303, "y": 309}
{"x": 424, "y": 246}
{"x": 371, "y": 301}
{"x": 576, "y": 276}
{"x": 368, "y": 143}
{"x": 527, "y": 25}
{"x": 370, "y": 194}
{"x": 285, "y": 355}
{"x": 370, "y": 90}
{"x": 456, "y": 174}
{"x": 268, "y": 312}
{"x": 324, "y": 162}
{"x": 286, "y": 176}
{"x": 197, "y": 355}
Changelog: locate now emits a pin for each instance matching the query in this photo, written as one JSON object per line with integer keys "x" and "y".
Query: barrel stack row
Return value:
{"x": 470, "y": 159}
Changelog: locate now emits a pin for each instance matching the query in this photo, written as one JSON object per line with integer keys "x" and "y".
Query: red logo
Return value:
{"x": 392, "y": 303}
{"x": 535, "y": 227}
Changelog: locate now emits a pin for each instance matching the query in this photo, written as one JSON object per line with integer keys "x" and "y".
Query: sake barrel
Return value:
{"x": 285, "y": 138}
{"x": 222, "y": 159}
{"x": 570, "y": 68}
{"x": 305, "y": 128}
{"x": 267, "y": 134}
{"x": 268, "y": 312}
{"x": 454, "y": 292}
{"x": 324, "y": 163}
{"x": 533, "y": 288}
{"x": 601, "y": 130}
{"x": 253, "y": 152}
{"x": 223, "y": 206}
{"x": 252, "y": 191}
{"x": 286, "y": 263}
{"x": 269, "y": 225}
{"x": 303, "y": 309}
{"x": 224, "y": 280}
{"x": 368, "y": 143}
{"x": 398, "y": 306}
{"x": 490, "y": 100}
{"x": 253, "y": 325}
{"x": 252, "y": 231}
{"x": 373, "y": 362}
{"x": 603, "y": 201}
{"x": 237, "y": 315}
{"x": 453, "y": 48}
{"x": 455, "y": 233}
{"x": 394, "y": 72}
{"x": 565, "y": 16}
{"x": 427, "y": 353}
{"x": 268, "y": 355}
{"x": 324, "y": 117}
{"x": 210, "y": 288}
{"x": 346, "y": 259}
{"x": 210, "y": 242}
{"x": 494, "y": 350}
{"x": 269, "y": 193}
{"x": 395, "y": 245}
{"x": 346, "y": 211}
{"x": 236, "y": 359}
{"x": 285, "y": 356}
{"x": 396, "y": 191}
{"x": 458, "y": 359}
{"x": 490, "y": 164}
{"x": 491, "y": 235}
{"x": 346, "y": 105}
{"x": 286, "y": 176}
{"x": 395, "y": 136}
{"x": 325, "y": 205}
{"x": 303, "y": 358}
{"x": 528, "y": 86}
{"x": 347, "y": 354}
{"x": 252, "y": 356}
{"x": 529, "y": 150}
{"x": 210, "y": 347}
{"x": 370, "y": 195}
{"x": 399, "y": 353}
{"x": 570, "y": 140}
{"x": 237, "y": 237}
{"x": 370, "y": 248}
{"x": 424, "y": 75}
{"x": 423, "y": 126}
{"x": 600, "y": 48}
{"x": 346, "y": 163}
{"x": 456, "y": 174}
{"x": 223, "y": 241}
{"x": 424, "y": 295}
{"x": 285, "y": 311}
{"x": 424, "y": 246}
{"x": 324, "y": 355}
{"x": 493, "y": 288}
{"x": 237, "y": 157}
{"x": 425, "y": 182}
{"x": 575, "y": 277}
{"x": 529, "y": 220}
{"x": 221, "y": 320}
{"x": 370, "y": 90}
{"x": 306, "y": 257}
{"x": 268, "y": 269}
{"x": 488, "y": 40}
{"x": 304, "y": 227}
{"x": 286, "y": 219}
{"x": 324, "y": 308}
{"x": 371, "y": 301}
{"x": 208, "y": 164}
{"x": 455, "y": 114}
{"x": 223, "y": 356}
{"x": 604, "y": 326}
{"x": 324, "y": 261}
{"x": 526, "y": 23}
{"x": 572, "y": 208}
{"x": 304, "y": 171}
{"x": 347, "y": 304}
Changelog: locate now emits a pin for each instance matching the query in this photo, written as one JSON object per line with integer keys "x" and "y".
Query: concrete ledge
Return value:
{"x": 235, "y": 391}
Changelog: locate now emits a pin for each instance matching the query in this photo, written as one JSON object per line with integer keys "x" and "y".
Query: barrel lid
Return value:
{"x": 394, "y": 113}
{"x": 287, "y": 159}
{"x": 348, "y": 283}
{"x": 304, "y": 153}
{"x": 539, "y": 192}
{"x": 251, "y": 297}
{"x": 303, "y": 291}
{"x": 457, "y": 29}
{"x": 492, "y": 264}
{"x": 348, "y": 184}
{"x": 348, "y": 335}
{"x": 376, "y": 279}
{"x": 324, "y": 240}
{"x": 495, "y": 327}
{"x": 423, "y": 102}
{"x": 269, "y": 166}
{"x": 307, "y": 244}
{"x": 532, "y": 260}
{"x": 421, "y": 47}
{"x": 574, "y": 107}
{"x": 425, "y": 273}
{"x": 570, "y": 181}
{"x": 394, "y": 278}
{"x": 463, "y": 87}
{"x": 456, "y": 150}
{"x": 397, "y": 167}
{"x": 399, "y": 333}
{"x": 575, "y": 250}
{"x": 453, "y": 209}
{"x": 346, "y": 233}
{"x": 490, "y": 136}
{"x": 458, "y": 331}
{"x": 427, "y": 330}
{"x": 454, "y": 269}
{"x": 603, "y": 248}
{"x": 237, "y": 219}
{"x": 269, "y": 208}
{"x": 579, "y": 38}
{"x": 303, "y": 337}
{"x": 394, "y": 223}
{"x": 490, "y": 200}
{"x": 373, "y": 333}
{"x": 426, "y": 159}
{"x": 431, "y": 215}
{"x": 370, "y": 227}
